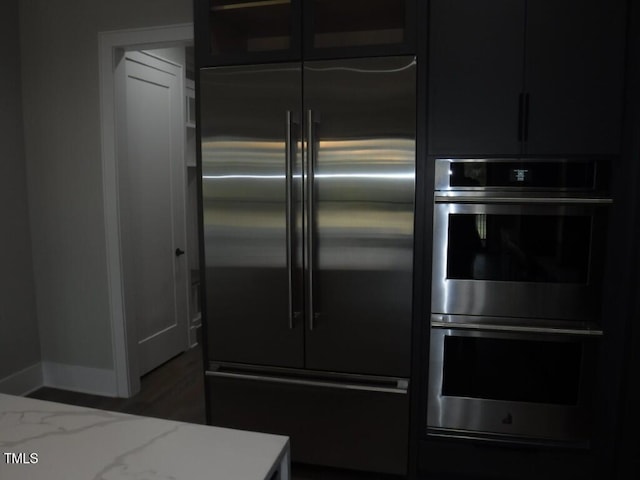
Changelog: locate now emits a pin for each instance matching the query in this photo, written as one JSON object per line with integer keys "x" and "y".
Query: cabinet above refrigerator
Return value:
{"x": 234, "y": 32}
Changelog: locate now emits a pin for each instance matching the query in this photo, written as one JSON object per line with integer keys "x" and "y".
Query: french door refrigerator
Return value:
{"x": 308, "y": 173}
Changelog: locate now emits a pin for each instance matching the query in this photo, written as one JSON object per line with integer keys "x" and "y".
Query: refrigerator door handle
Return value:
{"x": 289, "y": 156}
{"x": 310, "y": 180}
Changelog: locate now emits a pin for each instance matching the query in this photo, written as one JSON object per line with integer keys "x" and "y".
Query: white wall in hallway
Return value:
{"x": 60, "y": 80}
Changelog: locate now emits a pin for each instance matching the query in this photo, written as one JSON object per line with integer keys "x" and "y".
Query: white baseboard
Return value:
{"x": 23, "y": 382}
{"x": 96, "y": 381}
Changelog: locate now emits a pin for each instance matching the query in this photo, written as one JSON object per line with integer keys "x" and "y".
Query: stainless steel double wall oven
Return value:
{"x": 517, "y": 262}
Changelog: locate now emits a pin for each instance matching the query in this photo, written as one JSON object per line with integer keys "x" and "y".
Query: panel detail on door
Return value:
{"x": 151, "y": 196}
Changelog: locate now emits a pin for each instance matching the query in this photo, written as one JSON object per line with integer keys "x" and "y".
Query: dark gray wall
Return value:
{"x": 19, "y": 344}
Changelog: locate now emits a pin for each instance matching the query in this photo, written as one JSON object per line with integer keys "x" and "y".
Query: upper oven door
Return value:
{"x": 528, "y": 258}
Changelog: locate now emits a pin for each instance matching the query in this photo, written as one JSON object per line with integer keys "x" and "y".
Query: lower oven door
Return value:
{"x": 529, "y": 258}
{"x": 511, "y": 382}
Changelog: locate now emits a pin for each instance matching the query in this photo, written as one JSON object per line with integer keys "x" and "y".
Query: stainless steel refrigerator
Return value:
{"x": 308, "y": 173}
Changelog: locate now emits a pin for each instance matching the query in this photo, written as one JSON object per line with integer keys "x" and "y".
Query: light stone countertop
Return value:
{"x": 78, "y": 443}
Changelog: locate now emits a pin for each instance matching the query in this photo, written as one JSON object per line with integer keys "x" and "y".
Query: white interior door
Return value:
{"x": 153, "y": 208}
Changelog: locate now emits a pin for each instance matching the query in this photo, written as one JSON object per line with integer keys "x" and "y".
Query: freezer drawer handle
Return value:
{"x": 401, "y": 385}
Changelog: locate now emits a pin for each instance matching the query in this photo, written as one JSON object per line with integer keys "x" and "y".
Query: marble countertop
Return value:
{"x": 53, "y": 441}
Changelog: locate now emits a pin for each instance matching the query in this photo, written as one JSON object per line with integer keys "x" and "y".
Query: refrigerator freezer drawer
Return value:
{"x": 344, "y": 424}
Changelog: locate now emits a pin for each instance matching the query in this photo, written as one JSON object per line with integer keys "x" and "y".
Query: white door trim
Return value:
{"x": 111, "y": 44}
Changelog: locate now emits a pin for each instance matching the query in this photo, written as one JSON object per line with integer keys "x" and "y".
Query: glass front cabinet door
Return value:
{"x": 230, "y": 32}
{"x": 356, "y": 28}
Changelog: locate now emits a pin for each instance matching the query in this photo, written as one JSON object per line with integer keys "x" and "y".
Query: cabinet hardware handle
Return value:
{"x": 526, "y": 118}
{"x": 520, "y": 116}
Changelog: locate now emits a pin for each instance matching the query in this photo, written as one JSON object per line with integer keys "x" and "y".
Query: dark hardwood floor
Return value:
{"x": 175, "y": 391}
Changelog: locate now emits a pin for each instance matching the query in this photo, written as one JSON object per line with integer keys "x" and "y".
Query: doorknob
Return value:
{"x": 179, "y": 252}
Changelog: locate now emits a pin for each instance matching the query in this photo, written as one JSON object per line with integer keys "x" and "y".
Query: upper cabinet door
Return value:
{"x": 247, "y": 31}
{"x": 232, "y": 32}
{"x": 536, "y": 77}
{"x": 574, "y": 76}
{"x": 357, "y": 28}
{"x": 475, "y": 83}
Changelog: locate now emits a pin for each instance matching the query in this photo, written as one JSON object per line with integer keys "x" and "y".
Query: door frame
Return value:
{"x": 112, "y": 45}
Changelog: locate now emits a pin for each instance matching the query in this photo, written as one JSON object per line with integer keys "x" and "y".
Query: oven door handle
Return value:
{"x": 585, "y": 332}
{"x": 448, "y": 198}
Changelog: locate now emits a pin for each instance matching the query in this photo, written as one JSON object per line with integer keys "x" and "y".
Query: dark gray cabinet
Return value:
{"x": 475, "y": 75}
{"x": 574, "y": 75}
{"x": 538, "y": 77}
